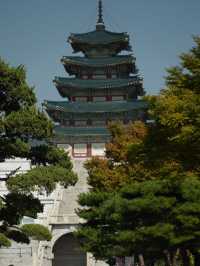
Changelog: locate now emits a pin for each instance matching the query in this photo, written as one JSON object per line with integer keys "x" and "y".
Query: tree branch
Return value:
{"x": 13, "y": 172}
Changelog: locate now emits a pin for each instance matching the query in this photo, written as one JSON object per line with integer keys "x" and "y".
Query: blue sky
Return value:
{"x": 34, "y": 33}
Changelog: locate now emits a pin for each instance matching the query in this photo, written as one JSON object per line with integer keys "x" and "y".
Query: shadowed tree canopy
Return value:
{"x": 25, "y": 132}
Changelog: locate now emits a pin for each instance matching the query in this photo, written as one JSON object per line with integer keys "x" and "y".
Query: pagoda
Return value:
{"x": 103, "y": 85}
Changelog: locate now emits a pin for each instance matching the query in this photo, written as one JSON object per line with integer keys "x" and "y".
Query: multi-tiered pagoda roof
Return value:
{"x": 104, "y": 86}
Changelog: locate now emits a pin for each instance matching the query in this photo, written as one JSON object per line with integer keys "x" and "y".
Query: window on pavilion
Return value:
{"x": 80, "y": 150}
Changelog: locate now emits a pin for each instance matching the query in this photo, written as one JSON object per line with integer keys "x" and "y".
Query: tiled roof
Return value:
{"x": 97, "y": 62}
{"x": 95, "y": 107}
{"x": 97, "y": 37}
{"x": 87, "y": 131}
{"x": 95, "y": 83}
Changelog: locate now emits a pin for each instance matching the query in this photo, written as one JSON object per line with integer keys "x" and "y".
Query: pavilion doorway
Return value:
{"x": 67, "y": 252}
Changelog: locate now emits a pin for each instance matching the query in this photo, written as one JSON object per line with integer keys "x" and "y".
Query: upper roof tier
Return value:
{"x": 99, "y": 37}
{"x": 74, "y": 64}
{"x": 100, "y": 42}
{"x": 98, "y": 62}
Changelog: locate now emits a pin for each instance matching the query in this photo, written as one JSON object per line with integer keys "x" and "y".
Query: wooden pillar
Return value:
{"x": 89, "y": 150}
{"x": 90, "y": 99}
{"x": 109, "y": 75}
{"x": 109, "y": 98}
{"x": 71, "y": 122}
{"x": 89, "y": 122}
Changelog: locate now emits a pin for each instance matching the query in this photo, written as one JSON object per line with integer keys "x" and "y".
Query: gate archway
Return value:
{"x": 67, "y": 252}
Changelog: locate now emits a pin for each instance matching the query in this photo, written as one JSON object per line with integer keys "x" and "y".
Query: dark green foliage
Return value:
{"x": 37, "y": 232}
{"x": 25, "y": 132}
{"x": 20, "y": 121}
{"x": 147, "y": 217}
{"x": 17, "y": 205}
{"x": 187, "y": 75}
{"x": 4, "y": 241}
{"x": 42, "y": 178}
{"x": 18, "y": 236}
{"x": 28, "y": 124}
{"x": 14, "y": 90}
{"x": 46, "y": 154}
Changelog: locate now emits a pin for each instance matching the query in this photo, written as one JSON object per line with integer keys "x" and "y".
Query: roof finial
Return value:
{"x": 100, "y": 23}
{"x": 100, "y": 13}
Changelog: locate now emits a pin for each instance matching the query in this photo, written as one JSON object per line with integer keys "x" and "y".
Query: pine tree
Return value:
{"x": 25, "y": 132}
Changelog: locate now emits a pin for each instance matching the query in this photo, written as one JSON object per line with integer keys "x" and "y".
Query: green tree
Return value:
{"x": 158, "y": 218}
{"x": 177, "y": 111}
{"x": 25, "y": 132}
{"x": 144, "y": 197}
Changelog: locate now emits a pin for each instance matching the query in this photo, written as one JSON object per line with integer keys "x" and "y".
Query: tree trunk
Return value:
{"x": 141, "y": 260}
{"x": 168, "y": 261}
{"x": 185, "y": 254}
{"x": 170, "y": 258}
{"x": 196, "y": 259}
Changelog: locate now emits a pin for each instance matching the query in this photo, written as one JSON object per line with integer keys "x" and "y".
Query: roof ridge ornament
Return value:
{"x": 100, "y": 23}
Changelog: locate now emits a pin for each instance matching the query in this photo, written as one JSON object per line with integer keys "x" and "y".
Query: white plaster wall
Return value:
{"x": 11, "y": 165}
{"x": 20, "y": 254}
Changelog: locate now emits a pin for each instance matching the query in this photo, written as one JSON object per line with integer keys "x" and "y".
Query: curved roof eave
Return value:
{"x": 98, "y": 62}
{"x": 95, "y": 107}
{"x": 98, "y": 84}
{"x": 98, "y": 37}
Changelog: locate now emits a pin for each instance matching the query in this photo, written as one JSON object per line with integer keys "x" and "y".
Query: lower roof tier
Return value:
{"x": 69, "y": 86}
{"x": 72, "y": 135}
{"x": 69, "y": 112}
{"x": 95, "y": 107}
